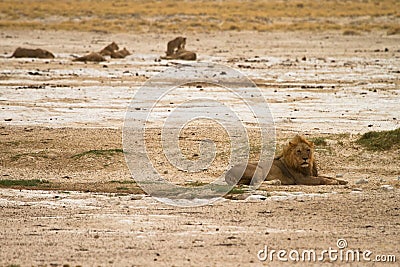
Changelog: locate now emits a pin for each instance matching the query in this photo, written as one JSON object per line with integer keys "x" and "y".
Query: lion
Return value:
{"x": 294, "y": 166}
{"x": 109, "y": 49}
{"x": 182, "y": 54}
{"x": 176, "y": 44}
{"x": 32, "y": 53}
{"x": 120, "y": 53}
{"x": 93, "y": 57}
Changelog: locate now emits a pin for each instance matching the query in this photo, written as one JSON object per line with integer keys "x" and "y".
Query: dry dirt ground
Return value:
{"x": 61, "y": 124}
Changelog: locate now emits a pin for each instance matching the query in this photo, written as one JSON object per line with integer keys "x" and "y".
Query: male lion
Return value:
{"x": 109, "y": 49}
{"x": 294, "y": 166}
{"x": 176, "y": 44}
{"x": 32, "y": 53}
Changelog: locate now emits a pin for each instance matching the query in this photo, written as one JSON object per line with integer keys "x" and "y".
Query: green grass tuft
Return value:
{"x": 33, "y": 182}
{"x": 195, "y": 183}
{"x": 123, "y": 182}
{"x": 379, "y": 141}
{"x": 101, "y": 152}
{"x": 237, "y": 190}
{"x": 319, "y": 141}
{"x": 39, "y": 154}
{"x": 122, "y": 188}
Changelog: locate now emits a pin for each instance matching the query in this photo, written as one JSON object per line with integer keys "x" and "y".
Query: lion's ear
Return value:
{"x": 295, "y": 140}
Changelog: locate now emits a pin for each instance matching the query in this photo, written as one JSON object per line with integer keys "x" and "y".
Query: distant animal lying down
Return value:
{"x": 109, "y": 49}
{"x": 92, "y": 57}
{"x": 181, "y": 54}
{"x": 31, "y": 53}
{"x": 174, "y": 45}
{"x": 120, "y": 53}
{"x": 295, "y": 166}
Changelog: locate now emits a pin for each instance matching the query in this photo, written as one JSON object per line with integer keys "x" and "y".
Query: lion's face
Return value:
{"x": 113, "y": 46}
{"x": 46, "y": 54}
{"x": 302, "y": 154}
{"x": 299, "y": 154}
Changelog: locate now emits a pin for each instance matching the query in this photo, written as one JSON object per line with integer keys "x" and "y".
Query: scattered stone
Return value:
{"x": 398, "y": 178}
{"x": 387, "y": 187}
{"x": 136, "y": 197}
{"x": 273, "y": 182}
{"x": 256, "y": 198}
{"x": 34, "y": 73}
{"x": 362, "y": 181}
{"x": 237, "y": 196}
{"x": 357, "y": 189}
{"x": 7, "y": 119}
{"x": 339, "y": 175}
{"x": 381, "y": 180}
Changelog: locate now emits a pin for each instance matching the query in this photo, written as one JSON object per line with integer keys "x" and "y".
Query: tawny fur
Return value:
{"x": 295, "y": 165}
{"x": 32, "y": 53}
{"x": 174, "y": 45}
{"x": 120, "y": 53}
{"x": 92, "y": 57}
{"x": 109, "y": 49}
{"x": 182, "y": 54}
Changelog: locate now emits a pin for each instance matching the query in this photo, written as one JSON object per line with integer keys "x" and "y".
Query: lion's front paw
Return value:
{"x": 332, "y": 182}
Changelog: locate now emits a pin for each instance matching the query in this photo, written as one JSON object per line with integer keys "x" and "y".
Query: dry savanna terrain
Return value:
{"x": 328, "y": 70}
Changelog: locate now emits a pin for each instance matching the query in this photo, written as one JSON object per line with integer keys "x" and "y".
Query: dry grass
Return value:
{"x": 201, "y": 16}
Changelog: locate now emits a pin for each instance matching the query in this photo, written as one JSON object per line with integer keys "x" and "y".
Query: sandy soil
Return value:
{"x": 61, "y": 122}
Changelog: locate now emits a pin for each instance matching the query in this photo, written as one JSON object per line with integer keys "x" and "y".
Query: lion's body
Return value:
{"x": 182, "y": 54}
{"x": 109, "y": 49}
{"x": 32, "y": 53}
{"x": 120, "y": 53}
{"x": 175, "y": 45}
{"x": 92, "y": 57}
{"x": 296, "y": 165}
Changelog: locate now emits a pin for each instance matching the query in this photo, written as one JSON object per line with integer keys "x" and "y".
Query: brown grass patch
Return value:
{"x": 201, "y": 16}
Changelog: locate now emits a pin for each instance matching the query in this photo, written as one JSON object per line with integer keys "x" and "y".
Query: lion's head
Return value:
{"x": 299, "y": 155}
{"x": 112, "y": 47}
